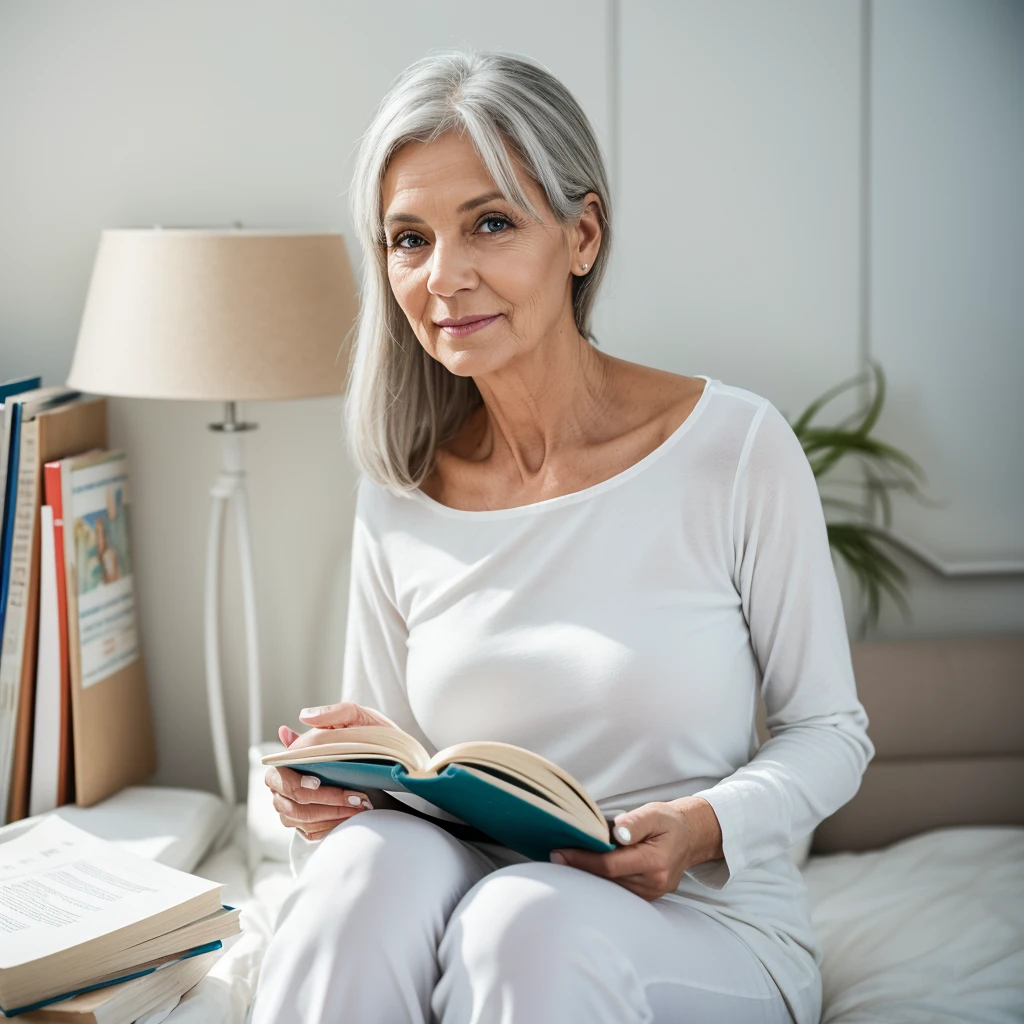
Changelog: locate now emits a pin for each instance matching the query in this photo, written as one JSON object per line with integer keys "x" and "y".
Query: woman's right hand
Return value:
{"x": 299, "y": 799}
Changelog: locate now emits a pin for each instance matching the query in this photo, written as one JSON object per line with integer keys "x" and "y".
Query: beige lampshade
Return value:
{"x": 231, "y": 315}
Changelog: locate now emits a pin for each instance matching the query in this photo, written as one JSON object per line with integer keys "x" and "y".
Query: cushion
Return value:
{"x": 176, "y": 827}
{"x": 929, "y": 929}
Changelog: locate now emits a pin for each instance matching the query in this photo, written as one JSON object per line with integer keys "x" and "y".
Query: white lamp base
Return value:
{"x": 230, "y": 486}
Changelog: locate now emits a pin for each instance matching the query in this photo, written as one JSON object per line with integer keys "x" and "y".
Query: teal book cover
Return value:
{"x": 208, "y": 947}
{"x": 514, "y": 821}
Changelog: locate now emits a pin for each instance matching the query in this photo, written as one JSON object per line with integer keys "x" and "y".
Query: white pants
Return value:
{"x": 394, "y": 920}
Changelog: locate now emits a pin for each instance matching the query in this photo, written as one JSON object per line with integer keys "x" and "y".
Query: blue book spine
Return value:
{"x": 209, "y": 947}
{"x": 17, "y": 386}
{"x": 10, "y": 501}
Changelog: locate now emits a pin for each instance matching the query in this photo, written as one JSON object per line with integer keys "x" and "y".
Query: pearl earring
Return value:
{"x": 585, "y": 265}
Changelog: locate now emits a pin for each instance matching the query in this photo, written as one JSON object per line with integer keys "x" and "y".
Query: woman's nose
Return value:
{"x": 451, "y": 269}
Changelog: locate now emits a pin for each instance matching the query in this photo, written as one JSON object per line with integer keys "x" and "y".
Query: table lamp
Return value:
{"x": 227, "y": 316}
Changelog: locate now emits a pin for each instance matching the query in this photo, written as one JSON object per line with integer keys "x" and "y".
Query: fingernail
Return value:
{"x": 354, "y": 800}
{"x": 622, "y": 834}
{"x": 309, "y": 712}
{"x": 309, "y": 782}
{"x": 368, "y": 805}
{"x": 556, "y": 857}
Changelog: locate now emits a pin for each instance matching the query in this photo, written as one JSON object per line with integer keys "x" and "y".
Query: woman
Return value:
{"x": 573, "y": 553}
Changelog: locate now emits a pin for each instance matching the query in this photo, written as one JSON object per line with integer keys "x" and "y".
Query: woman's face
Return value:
{"x": 457, "y": 249}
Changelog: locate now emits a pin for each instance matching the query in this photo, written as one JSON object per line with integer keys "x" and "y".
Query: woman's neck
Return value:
{"x": 551, "y": 399}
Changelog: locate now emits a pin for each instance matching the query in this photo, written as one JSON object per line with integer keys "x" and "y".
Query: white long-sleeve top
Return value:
{"x": 622, "y": 631}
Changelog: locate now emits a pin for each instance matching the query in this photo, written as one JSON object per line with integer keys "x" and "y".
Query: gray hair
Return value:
{"x": 402, "y": 403}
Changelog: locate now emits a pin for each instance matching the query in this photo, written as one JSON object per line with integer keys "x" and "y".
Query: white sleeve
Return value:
{"x": 373, "y": 672}
{"x": 783, "y": 572}
{"x": 376, "y": 635}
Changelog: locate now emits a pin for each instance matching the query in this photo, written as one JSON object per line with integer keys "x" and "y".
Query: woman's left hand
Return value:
{"x": 664, "y": 839}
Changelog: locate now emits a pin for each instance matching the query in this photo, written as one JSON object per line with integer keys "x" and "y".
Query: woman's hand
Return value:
{"x": 298, "y": 799}
{"x": 328, "y": 718}
{"x": 659, "y": 842}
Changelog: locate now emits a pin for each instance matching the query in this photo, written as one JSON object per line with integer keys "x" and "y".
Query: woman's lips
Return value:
{"x": 461, "y": 330}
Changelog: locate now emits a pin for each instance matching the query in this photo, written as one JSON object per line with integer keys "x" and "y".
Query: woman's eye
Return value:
{"x": 495, "y": 219}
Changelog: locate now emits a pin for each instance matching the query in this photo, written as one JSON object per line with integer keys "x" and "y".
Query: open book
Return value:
{"x": 513, "y": 795}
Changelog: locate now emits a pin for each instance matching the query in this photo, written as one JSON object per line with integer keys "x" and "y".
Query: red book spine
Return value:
{"x": 55, "y": 499}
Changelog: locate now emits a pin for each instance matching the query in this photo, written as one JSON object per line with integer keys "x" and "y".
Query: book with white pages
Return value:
{"x": 46, "y": 727}
{"x": 32, "y": 413}
{"x": 509, "y": 793}
{"x": 127, "y": 1002}
{"x": 17, "y": 617}
{"x": 78, "y": 911}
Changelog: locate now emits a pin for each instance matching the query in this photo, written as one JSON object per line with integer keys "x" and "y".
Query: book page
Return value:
{"x": 531, "y": 767}
{"x": 175, "y": 977}
{"x": 370, "y": 740}
{"x": 60, "y": 886}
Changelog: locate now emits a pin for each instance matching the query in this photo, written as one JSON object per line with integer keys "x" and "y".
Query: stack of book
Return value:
{"x": 90, "y": 932}
{"x": 71, "y": 672}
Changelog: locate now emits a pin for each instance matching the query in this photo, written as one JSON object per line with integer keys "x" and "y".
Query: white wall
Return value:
{"x": 116, "y": 114}
{"x": 947, "y": 289}
{"x": 735, "y": 136}
{"x": 738, "y": 205}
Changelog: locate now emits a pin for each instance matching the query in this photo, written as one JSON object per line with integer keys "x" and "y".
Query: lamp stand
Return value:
{"x": 230, "y": 486}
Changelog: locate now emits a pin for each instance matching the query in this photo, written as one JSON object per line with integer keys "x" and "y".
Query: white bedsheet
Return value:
{"x": 223, "y": 996}
{"x": 929, "y": 930}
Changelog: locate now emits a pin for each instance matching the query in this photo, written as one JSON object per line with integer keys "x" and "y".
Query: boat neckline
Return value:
{"x": 560, "y": 500}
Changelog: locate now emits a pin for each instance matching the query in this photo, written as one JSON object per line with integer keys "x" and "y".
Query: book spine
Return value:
{"x": 5, "y": 443}
{"x": 71, "y": 605}
{"x": 21, "y": 550}
{"x": 7, "y": 522}
{"x": 46, "y": 713}
{"x": 10, "y": 406}
{"x": 55, "y": 499}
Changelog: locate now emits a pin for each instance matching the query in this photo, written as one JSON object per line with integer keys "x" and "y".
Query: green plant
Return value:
{"x": 857, "y": 538}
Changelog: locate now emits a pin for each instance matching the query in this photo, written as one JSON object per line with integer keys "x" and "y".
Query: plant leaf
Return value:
{"x": 819, "y": 403}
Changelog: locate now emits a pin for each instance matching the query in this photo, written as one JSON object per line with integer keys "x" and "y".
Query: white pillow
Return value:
{"x": 173, "y": 826}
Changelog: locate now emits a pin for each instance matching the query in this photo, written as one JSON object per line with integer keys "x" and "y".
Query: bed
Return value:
{"x": 917, "y": 884}
{"x": 929, "y": 930}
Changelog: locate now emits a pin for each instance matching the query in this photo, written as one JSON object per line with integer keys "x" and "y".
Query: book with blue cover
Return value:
{"x": 79, "y": 913}
{"x": 511, "y": 794}
{"x": 132, "y": 999}
{"x": 8, "y": 390}
{"x": 107, "y": 994}
{"x": 26, "y": 417}
{"x": 21, "y": 403}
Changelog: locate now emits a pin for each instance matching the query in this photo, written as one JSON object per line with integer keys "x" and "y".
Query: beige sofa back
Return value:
{"x": 947, "y": 721}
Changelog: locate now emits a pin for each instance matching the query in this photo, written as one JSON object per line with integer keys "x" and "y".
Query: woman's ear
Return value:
{"x": 588, "y": 232}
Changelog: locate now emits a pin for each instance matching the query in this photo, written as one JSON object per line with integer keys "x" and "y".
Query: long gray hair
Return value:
{"x": 403, "y": 403}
